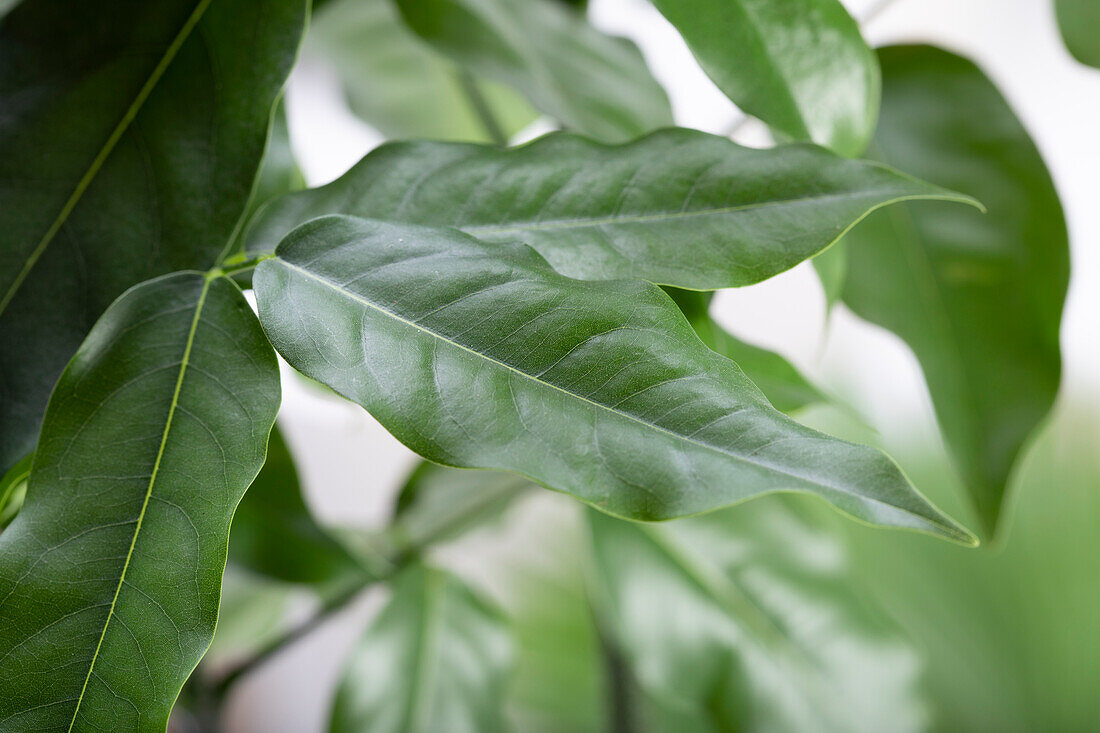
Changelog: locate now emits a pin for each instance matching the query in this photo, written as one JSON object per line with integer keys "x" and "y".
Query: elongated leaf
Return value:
{"x": 590, "y": 82}
{"x": 438, "y": 503}
{"x": 435, "y": 659}
{"x": 110, "y": 575}
{"x": 401, "y": 86}
{"x": 977, "y": 298}
{"x": 481, "y": 355}
{"x": 275, "y": 535}
{"x": 776, "y": 377}
{"x": 678, "y": 207}
{"x": 741, "y": 621}
{"x": 131, "y": 135}
{"x": 799, "y": 65}
{"x": 1079, "y": 20}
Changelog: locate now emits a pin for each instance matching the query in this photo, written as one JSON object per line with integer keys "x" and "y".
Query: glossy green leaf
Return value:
{"x": 592, "y": 83}
{"x": 436, "y": 658}
{"x": 275, "y": 535}
{"x": 438, "y": 503}
{"x": 480, "y": 355}
{"x": 799, "y": 65}
{"x": 131, "y": 135}
{"x": 13, "y": 487}
{"x": 776, "y": 377}
{"x": 400, "y": 85}
{"x": 978, "y": 298}
{"x": 742, "y": 621}
{"x": 110, "y": 575}
{"x": 677, "y": 207}
{"x": 1079, "y": 21}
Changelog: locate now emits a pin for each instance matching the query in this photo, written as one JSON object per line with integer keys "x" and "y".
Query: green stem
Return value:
{"x": 232, "y": 267}
{"x": 481, "y": 108}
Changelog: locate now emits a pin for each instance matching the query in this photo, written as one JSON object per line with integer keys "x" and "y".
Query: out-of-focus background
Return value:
{"x": 1008, "y": 635}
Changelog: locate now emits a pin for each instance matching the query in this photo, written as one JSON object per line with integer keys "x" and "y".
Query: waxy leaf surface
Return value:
{"x": 677, "y": 207}
{"x": 591, "y": 82}
{"x": 480, "y": 355}
{"x": 436, "y": 658}
{"x": 799, "y": 65}
{"x": 978, "y": 298}
{"x": 110, "y": 575}
{"x": 130, "y": 137}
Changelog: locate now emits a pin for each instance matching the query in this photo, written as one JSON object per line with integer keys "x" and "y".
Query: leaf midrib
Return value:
{"x": 743, "y": 459}
{"x": 149, "y": 489}
{"x": 105, "y": 151}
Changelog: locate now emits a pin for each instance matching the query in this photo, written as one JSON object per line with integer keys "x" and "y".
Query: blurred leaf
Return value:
{"x": 832, "y": 269}
{"x": 678, "y": 207}
{"x": 436, "y": 659}
{"x": 398, "y": 84}
{"x": 741, "y": 620}
{"x": 480, "y": 355}
{"x": 131, "y": 136}
{"x": 780, "y": 382}
{"x": 590, "y": 82}
{"x": 110, "y": 575}
{"x": 254, "y": 612}
{"x": 978, "y": 298}
{"x": 275, "y": 535}
{"x": 438, "y": 503}
{"x": 13, "y": 487}
{"x": 799, "y": 65}
{"x": 1079, "y": 21}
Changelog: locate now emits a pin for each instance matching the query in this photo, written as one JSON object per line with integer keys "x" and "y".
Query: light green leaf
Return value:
{"x": 438, "y": 503}
{"x": 400, "y": 85}
{"x": 110, "y": 575}
{"x": 275, "y": 535}
{"x": 590, "y": 82}
{"x": 1079, "y": 21}
{"x": 480, "y": 355}
{"x": 978, "y": 298}
{"x": 435, "y": 659}
{"x": 742, "y": 621}
{"x": 799, "y": 65}
{"x": 776, "y": 377}
{"x": 13, "y": 488}
{"x": 131, "y": 135}
{"x": 832, "y": 269}
{"x": 677, "y": 207}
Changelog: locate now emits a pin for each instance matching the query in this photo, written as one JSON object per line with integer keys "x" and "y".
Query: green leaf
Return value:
{"x": 436, "y": 658}
{"x": 776, "y": 377}
{"x": 799, "y": 65}
{"x": 677, "y": 207}
{"x": 590, "y": 82}
{"x": 110, "y": 575}
{"x": 400, "y": 85}
{"x": 978, "y": 298}
{"x": 832, "y": 269}
{"x": 1079, "y": 20}
{"x": 13, "y": 487}
{"x": 275, "y": 535}
{"x": 131, "y": 137}
{"x": 742, "y": 621}
{"x": 438, "y": 503}
{"x": 480, "y": 355}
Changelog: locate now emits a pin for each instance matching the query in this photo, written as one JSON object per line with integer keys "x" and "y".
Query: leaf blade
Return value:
{"x": 632, "y": 211}
{"x": 132, "y": 430}
{"x": 406, "y": 321}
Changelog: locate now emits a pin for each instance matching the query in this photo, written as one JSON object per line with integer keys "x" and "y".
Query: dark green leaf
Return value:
{"x": 678, "y": 207}
{"x": 799, "y": 65}
{"x": 590, "y": 82}
{"x": 131, "y": 135}
{"x": 435, "y": 659}
{"x": 1079, "y": 21}
{"x": 275, "y": 535}
{"x": 977, "y": 298}
{"x": 110, "y": 575}
{"x": 401, "y": 86}
{"x": 742, "y": 621}
{"x": 480, "y": 355}
{"x": 776, "y": 377}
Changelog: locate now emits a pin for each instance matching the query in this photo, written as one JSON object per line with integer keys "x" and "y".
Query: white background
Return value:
{"x": 351, "y": 466}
